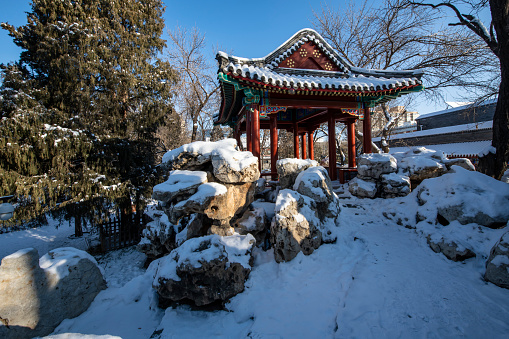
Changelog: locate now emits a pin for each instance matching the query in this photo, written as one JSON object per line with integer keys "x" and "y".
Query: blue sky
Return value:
{"x": 248, "y": 29}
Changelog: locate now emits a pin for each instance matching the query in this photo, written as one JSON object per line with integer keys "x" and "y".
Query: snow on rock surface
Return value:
{"x": 205, "y": 270}
{"x": 373, "y": 165}
{"x": 60, "y": 260}
{"x": 202, "y": 149}
{"x": 421, "y": 163}
{"x": 179, "y": 183}
{"x": 232, "y": 166}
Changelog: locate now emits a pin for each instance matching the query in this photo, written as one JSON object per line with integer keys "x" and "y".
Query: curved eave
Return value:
{"x": 363, "y": 92}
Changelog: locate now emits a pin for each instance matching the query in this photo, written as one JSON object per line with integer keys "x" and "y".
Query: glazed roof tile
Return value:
{"x": 348, "y": 78}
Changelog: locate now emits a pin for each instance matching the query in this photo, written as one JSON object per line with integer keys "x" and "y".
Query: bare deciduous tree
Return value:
{"x": 395, "y": 36}
{"x": 496, "y": 40}
{"x": 197, "y": 89}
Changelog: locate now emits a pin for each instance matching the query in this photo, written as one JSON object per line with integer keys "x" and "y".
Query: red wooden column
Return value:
{"x": 304, "y": 145}
{"x": 311, "y": 145}
{"x": 350, "y": 125}
{"x": 296, "y": 139}
{"x": 273, "y": 145}
{"x": 255, "y": 138}
{"x": 332, "y": 145}
{"x": 366, "y": 131}
{"x": 249, "y": 130}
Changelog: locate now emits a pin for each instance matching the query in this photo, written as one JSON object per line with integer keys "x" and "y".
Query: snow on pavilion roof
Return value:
{"x": 307, "y": 61}
{"x": 308, "y": 65}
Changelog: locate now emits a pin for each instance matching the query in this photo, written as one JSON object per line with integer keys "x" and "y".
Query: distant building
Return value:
{"x": 405, "y": 121}
{"x": 460, "y": 132}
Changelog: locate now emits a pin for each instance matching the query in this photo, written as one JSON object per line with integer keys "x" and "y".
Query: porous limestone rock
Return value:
{"x": 295, "y": 226}
{"x": 159, "y": 237}
{"x": 497, "y": 266}
{"x": 254, "y": 221}
{"x": 233, "y": 167}
{"x": 421, "y": 163}
{"x": 180, "y": 183}
{"x": 204, "y": 270}
{"x": 314, "y": 182}
{"x": 289, "y": 169}
{"x": 36, "y": 295}
{"x": 373, "y": 165}
{"x": 363, "y": 188}
{"x": 450, "y": 249}
{"x": 394, "y": 185}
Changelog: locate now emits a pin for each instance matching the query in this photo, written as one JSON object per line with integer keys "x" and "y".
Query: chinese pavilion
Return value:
{"x": 299, "y": 86}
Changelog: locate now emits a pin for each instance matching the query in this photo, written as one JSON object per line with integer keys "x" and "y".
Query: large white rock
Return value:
{"x": 36, "y": 295}
{"x": 421, "y": 163}
{"x": 362, "y": 188}
{"x": 295, "y": 227}
{"x": 373, "y": 165}
{"x": 233, "y": 167}
{"x": 314, "y": 182}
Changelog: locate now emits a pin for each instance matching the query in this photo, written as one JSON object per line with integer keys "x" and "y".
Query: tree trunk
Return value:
{"x": 78, "y": 230}
{"x": 495, "y": 164}
{"x": 195, "y": 129}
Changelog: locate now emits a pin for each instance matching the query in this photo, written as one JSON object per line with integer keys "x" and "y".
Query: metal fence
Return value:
{"x": 118, "y": 233}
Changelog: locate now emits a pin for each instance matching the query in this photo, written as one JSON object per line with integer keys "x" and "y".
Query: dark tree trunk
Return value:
{"x": 495, "y": 164}
{"x": 78, "y": 230}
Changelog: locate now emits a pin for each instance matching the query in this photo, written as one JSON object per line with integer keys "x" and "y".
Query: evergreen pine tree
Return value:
{"x": 93, "y": 72}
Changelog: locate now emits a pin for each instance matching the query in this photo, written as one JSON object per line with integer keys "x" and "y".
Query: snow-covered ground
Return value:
{"x": 379, "y": 280}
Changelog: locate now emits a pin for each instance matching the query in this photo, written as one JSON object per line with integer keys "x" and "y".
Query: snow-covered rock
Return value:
{"x": 373, "y": 165}
{"x": 204, "y": 270}
{"x": 295, "y": 227}
{"x": 37, "y": 294}
{"x": 179, "y": 183}
{"x": 394, "y": 185}
{"x": 314, "y": 182}
{"x": 461, "y": 162}
{"x": 362, "y": 188}
{"x": 465, "y": 196}
{"x": 421, "y": 163}
{"x": 196, "y": 155}
{"x": 159, "y": 236}
{"x": 289, "y": 169}
{"x": 497, "y": 266}
{"x": 505, "y": 177}
{"x": 232, "y": 166}
{"x": 450, "y": 249}
{"x": 254, "y": 221}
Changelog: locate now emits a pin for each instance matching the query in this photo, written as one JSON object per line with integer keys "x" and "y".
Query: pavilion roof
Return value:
{"x": 308, "y": 64}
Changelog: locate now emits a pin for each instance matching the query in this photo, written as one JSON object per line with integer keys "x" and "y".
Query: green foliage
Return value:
{"x": 81, "y": 108}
